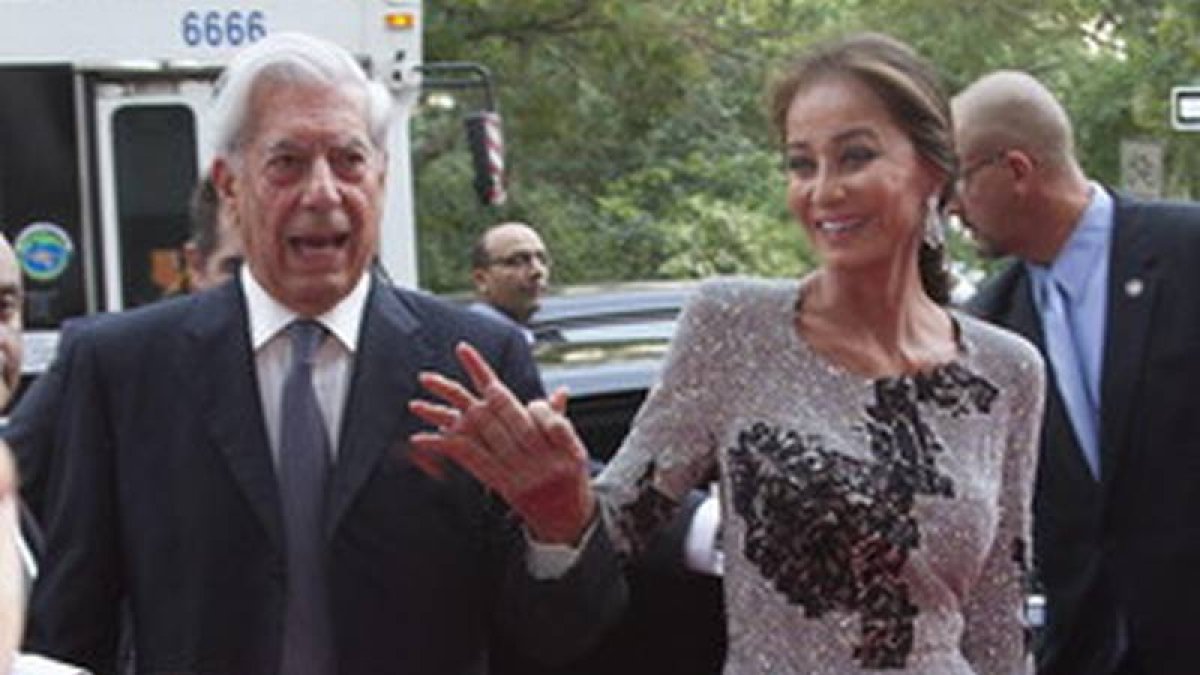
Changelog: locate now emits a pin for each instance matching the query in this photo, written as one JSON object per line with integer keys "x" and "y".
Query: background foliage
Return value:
{"x": 635, "y": 135}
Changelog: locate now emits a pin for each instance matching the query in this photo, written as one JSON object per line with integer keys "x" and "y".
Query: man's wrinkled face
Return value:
{"x": 306, "y": 193}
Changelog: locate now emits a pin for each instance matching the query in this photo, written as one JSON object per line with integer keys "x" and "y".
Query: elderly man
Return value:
{"x": 235, "y": 464}
{"x": 511, "y": 272}
{"x": 1105, "y": 286}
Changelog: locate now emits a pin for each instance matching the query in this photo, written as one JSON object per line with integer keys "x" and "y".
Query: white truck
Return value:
{"x": 103, "y": 135}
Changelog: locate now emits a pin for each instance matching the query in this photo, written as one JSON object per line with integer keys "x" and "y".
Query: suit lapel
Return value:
{"x": 390, "y": 354}
{"x": 1022, "y": 316}
{"x": 221, "y": 363}
{"x": 1132, "y": 285}
{"x": 1011, "y": 304}
{"x": 1006, "y": 300}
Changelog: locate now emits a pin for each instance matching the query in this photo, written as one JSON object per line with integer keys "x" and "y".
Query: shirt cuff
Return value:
{"x": 701, "y": 548}
{"x": 547, "y": 562}
{"x": 34, "y": 664}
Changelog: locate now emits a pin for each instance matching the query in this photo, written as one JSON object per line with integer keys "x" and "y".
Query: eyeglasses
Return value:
{"x": 960, "y": 183}
{"x": 522, "y": 259}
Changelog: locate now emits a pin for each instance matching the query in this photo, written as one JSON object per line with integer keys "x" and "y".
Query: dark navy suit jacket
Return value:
{"x": 162, "y": 495}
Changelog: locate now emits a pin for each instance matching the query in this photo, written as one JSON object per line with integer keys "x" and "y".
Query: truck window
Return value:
{"x": 154, "y": 163}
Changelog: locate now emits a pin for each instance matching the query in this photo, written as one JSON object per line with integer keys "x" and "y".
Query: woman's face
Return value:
{"x": 855, "y": 181}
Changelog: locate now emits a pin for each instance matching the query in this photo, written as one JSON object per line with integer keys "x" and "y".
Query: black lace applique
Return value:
{"x": 955, "y": 389}
{"x": 646, "y": 514}
{"x": 832, "y": 532}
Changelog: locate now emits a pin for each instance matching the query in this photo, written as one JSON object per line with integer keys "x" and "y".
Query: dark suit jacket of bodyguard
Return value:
{"x": 1131, "y": 539}
{"x": 164, "y": 492}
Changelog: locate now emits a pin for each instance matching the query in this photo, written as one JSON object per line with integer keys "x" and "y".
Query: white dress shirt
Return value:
{"x": 268, "y": 319}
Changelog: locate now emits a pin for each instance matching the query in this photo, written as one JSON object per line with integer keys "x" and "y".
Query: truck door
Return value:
{"x": 149, "y": 134}
{"x": 40, "y": 188}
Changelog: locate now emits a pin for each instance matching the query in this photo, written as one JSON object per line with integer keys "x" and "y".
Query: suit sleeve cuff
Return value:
{"x": 547, "y": 562}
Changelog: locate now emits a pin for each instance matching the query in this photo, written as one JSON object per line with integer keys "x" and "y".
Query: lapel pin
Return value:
{"x": 1134, "y": 287}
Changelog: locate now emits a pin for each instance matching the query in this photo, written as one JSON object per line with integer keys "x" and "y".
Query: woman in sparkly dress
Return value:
{"x": 876, "y": 449}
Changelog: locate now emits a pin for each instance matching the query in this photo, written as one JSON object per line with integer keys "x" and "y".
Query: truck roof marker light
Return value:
{"x": 400, "y": 20}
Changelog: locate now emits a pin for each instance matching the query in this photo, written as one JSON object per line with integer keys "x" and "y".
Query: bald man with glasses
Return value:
{"x": 1104, "y": 284}
{"x": 510, "y": 269}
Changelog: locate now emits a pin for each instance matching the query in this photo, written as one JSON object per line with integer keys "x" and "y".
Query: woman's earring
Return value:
{"x": 934, "y": 235}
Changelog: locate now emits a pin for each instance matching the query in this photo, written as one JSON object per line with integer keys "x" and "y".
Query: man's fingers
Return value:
{"x": 427, "y": 461}
{"x": 446, "y": 389}
{"x": 514, "y": 418}
{"x": 440, "y": 416}
{"x": 492, "y": 434}
{"x": 462, "y": 451}
{"x": 556, "y": 429}
{"x": 559, "y": 399}
{"x": 481, "y": 374}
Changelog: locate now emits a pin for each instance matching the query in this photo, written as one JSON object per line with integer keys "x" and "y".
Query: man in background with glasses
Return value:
{"x": 511, "y": 272}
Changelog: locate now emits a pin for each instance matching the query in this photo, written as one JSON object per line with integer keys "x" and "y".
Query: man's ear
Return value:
{"x": 479, "y": 277}
{"x": 1020, "y": 163}
{"x": 222, "y": 178}
{"x": 224, "y": 181}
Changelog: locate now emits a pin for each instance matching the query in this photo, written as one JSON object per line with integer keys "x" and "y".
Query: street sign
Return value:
{"x": 1142, "y": 167}
{"x": 1185, "y": 108}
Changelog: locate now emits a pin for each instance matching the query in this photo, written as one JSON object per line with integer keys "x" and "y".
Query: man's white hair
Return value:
{"x": 290, "y": 58}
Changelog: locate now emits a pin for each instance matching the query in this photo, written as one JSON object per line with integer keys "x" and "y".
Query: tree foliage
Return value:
{"x": 635, "y": 137}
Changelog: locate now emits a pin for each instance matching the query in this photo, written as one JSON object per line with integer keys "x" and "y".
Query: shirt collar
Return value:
{"x": 268, "y": 316}
{"x": 1086, "y": 248}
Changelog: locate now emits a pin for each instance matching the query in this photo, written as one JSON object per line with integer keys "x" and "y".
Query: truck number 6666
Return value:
{"x": 219, "y": 29}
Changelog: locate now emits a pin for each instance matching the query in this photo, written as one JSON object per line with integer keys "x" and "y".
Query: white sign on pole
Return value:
{"x": 1142, "y": 167}
{"x": 1185, "y": 108}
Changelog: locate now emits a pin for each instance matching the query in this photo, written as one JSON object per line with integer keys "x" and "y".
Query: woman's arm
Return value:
{"x": 996, "y": 638}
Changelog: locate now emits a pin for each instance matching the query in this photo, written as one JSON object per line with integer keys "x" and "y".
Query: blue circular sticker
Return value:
{"x": 44, "y": 250}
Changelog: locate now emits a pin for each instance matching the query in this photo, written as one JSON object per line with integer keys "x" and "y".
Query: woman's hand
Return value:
{"x": 530, "y": 455}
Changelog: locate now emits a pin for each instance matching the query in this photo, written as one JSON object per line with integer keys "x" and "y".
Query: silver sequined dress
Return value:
{"x": 868, "y": 524}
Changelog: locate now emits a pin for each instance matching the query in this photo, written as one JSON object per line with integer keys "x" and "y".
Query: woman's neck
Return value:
{"x": 874, "y": 324}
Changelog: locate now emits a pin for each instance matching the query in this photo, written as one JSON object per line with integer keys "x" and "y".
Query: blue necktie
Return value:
{"x": 304, "y": 462}
{"x": 1062, "y": 346}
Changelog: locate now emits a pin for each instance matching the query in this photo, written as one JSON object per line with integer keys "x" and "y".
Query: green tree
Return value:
{"x": 580, "y": 85}
{"x": 637, "y": 142}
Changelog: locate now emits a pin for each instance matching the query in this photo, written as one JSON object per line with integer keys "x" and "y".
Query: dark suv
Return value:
{"x": 606, "y": 345}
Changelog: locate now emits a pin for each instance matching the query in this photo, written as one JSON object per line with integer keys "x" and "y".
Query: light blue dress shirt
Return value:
{"x": 1081, "y": 269}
